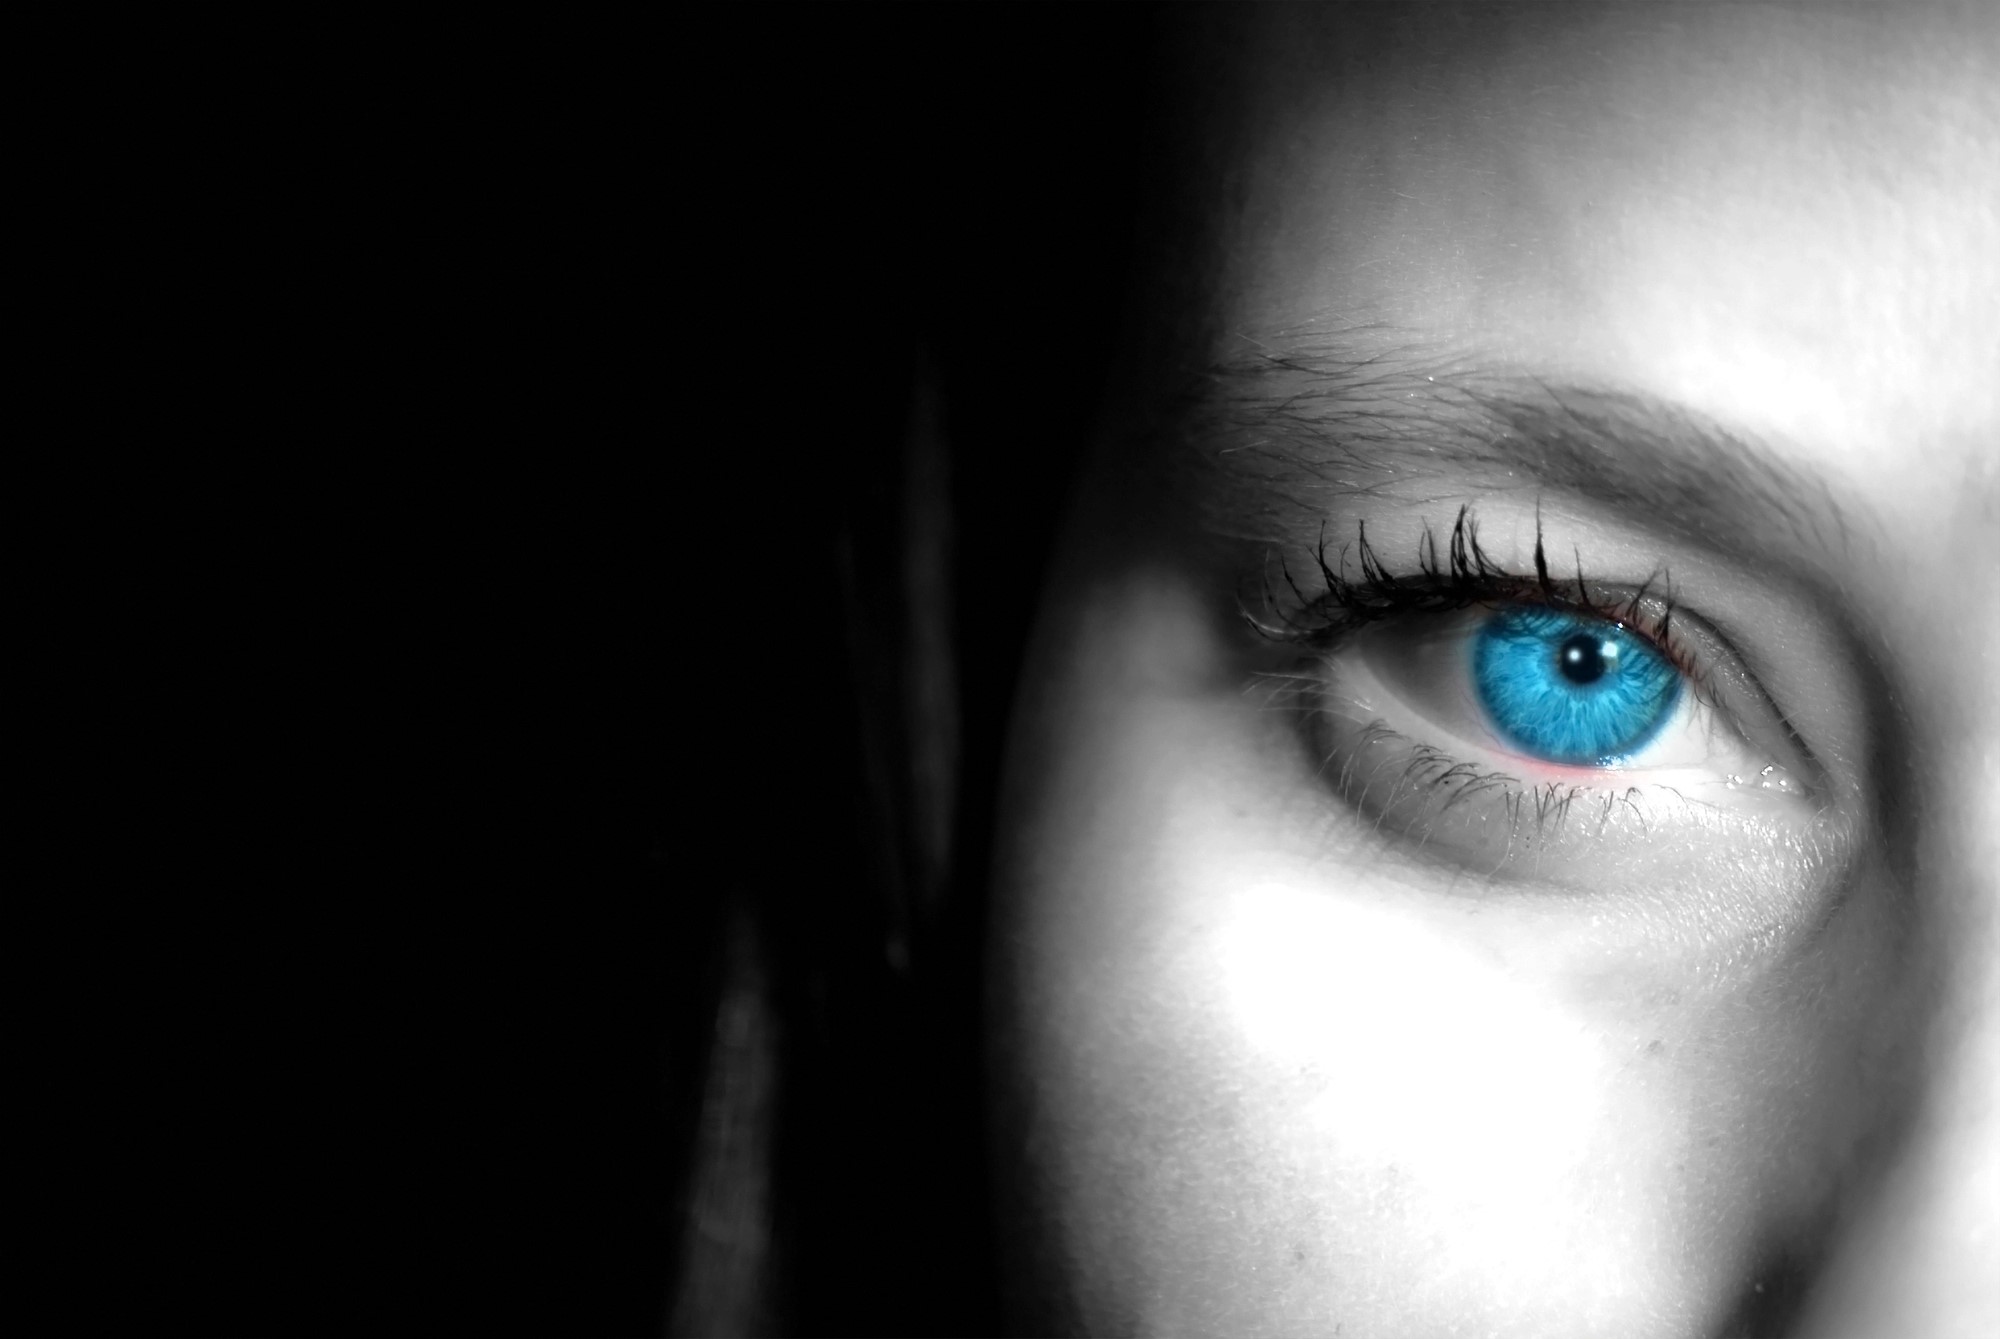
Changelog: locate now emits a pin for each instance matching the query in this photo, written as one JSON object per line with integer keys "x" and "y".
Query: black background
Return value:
{"x": 488, "y": 642}
{"x": 829, "y": 201}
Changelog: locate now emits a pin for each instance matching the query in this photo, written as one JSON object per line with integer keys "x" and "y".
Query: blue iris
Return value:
{"x": 1568, "y": 688}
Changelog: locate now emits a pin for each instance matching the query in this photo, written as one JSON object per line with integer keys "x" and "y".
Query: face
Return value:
{"x": 1501, "y": 820}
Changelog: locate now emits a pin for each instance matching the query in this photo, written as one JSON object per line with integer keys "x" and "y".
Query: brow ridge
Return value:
{"x": 1285, "y": 425}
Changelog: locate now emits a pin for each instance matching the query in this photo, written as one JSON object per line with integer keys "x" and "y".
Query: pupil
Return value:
{"x": 1583, "y": 658}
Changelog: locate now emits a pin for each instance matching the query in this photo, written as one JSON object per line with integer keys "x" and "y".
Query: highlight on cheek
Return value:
{"x": 1446, "y": 1028}
{"x": 1426, "y": 1070}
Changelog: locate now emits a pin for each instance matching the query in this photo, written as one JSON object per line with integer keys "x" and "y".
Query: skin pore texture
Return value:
{"x": 1280, "y": 1051}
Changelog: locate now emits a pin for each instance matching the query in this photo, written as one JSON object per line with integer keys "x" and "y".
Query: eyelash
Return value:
{"x": 1466, "y": 578}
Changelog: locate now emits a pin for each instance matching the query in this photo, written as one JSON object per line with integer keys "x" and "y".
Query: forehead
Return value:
{"x": 1783, "y": 218}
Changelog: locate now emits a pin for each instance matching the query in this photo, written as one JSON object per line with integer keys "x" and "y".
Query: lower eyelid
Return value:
{"x": 1581, "y": 829}
{"x": 1607, "y": 869}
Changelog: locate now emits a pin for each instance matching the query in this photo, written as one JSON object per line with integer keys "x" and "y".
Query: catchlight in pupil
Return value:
{"x": 1586, "y": 658}
{"x": 1569, "y": 688}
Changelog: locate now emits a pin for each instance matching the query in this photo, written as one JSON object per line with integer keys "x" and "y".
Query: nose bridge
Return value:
{"x": 1919, "y": 1255}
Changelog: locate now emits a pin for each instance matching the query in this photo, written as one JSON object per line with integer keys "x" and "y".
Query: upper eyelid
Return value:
{"x": 1669, "y": 636}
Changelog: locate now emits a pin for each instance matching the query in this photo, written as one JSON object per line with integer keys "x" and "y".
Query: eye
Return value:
{"x": 1555, "y": 742}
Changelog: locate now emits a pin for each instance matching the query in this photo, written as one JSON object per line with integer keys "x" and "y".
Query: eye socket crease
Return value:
{"x": 1273, "y": 435}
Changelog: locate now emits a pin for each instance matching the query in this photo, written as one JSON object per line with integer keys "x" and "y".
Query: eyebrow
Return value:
{"x": 1278, "y": 432}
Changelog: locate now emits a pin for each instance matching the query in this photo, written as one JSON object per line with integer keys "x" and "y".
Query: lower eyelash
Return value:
{"x": 1426, "y": 769}
{"x": 1549, "y": 805}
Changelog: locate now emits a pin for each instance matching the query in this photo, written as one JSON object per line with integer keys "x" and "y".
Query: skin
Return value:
{"x": 1260, "y": 1072}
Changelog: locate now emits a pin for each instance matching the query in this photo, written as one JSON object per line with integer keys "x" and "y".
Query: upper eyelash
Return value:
{"x": 1465, "y": 578}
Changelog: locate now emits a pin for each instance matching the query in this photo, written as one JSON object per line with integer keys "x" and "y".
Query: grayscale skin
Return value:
{"x": 1281, "y": 1049}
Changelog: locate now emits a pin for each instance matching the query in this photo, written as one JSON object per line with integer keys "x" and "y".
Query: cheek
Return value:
{"x": 1392, "y": 1046}
{"x": 1275, "y": 1088}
